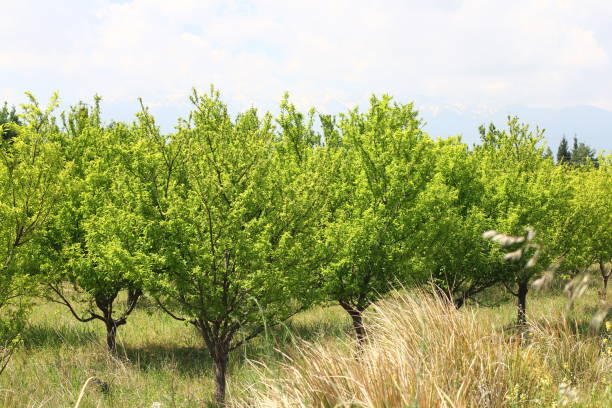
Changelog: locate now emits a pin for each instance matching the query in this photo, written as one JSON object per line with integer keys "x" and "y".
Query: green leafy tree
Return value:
{"x": 459, "y": 263}
{"x": 237, "y": 207}
{"x": 98, "y": 245}
{"x": 32, "y": 182}
{"x": 585, "y": 236}
{"x": 522, "y": 189}
{"x": 383, "y": 164}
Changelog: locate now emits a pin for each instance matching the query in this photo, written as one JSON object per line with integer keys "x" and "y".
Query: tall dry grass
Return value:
{"x": 424, "y": 353}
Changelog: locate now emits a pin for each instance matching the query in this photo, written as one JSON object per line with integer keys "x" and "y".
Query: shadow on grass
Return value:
{"x": 190, "y": 360}
{"x": 195, "y": 359}
{"x": 40, "y": 336}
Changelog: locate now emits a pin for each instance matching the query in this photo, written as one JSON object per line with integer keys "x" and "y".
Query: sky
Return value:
{"x": 460, "y": 62}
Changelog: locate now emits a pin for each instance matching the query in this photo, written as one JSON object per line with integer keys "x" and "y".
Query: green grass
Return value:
{"x": 160, "y": 359}
{"x": 163, "y": 360}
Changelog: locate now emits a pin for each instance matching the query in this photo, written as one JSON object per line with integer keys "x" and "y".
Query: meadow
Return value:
{"x": 422, "y": 353}
{"x": 254, "y": 260}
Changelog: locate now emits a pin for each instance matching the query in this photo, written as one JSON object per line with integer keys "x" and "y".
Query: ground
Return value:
{"x": 163, "y": 361}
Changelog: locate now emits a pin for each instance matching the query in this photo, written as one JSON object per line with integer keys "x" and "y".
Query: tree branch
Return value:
{"x": 180, "y": 319}
{"x": 66, "y": 303}
{"x": 510, "y": 290}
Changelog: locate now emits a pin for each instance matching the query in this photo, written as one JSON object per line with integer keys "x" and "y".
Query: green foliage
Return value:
{"x": 234, "y": 224}
{"x": 522, "y": 189}
{"x": 584, "y": 233}
{"x": 451, "y": 252}
{"x": 236, "y": 206}
{"x": 98, "y": 244}
{"x": 383, "y": 164}
{"x": 32, "y": 179}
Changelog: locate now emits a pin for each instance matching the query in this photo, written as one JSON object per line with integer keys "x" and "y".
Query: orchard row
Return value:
{"x": 234, "y": 223}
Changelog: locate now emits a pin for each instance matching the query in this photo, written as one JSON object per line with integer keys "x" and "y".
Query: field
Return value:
{"x": 241, "y": 223}
{"x": 162, "y": 362}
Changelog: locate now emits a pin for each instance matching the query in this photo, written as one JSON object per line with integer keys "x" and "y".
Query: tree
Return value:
{"x": 98, "y": 244}
{"x": 451, "y": 251}
{"x": 237, "y": 208}
{"x": 585, "y": 235}
{"x": 32, "y": 182}
{"x": 563, "y": 152}
{"x": 522, "y": 251}
{"x": 582, "y": 154}
{"x": 522, "y": 189}
{"x": 548, "y": 154}
{"x": 8, "y": 116}
{"x": 383, "y": 162}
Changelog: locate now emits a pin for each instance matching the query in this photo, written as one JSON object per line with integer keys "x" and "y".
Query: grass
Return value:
{"x": 161, "y": 359}
{"x": 424, "y": 353}
{"x": 421, "y": 353}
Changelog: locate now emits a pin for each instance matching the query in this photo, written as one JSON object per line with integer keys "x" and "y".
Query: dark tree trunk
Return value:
{"x": 218, "y": 346}
{"x": 459, "y": 302}
{"x": 105, "y": 304}
{"x": 111, "y": 335}
{"x": 357, "y": 318}
{"x": 605, "y": 276}
{"x": 220, "y": 358}
{"x": 523, "y": 288}
{"x": 360, "y": 332}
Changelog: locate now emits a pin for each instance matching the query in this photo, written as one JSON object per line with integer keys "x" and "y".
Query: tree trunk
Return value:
{"x": 218, "y": 346}
{"x": 357, "y": 318}
{"x": 220, "y": 358}
{"x": 105, "y": 304}
{"x": 459, "y": 302}
{"x": 111, "y": 335}
{"x": 360, "y": 332}
{"x": 523, "y": 288}
{"x": 605, "y": 277}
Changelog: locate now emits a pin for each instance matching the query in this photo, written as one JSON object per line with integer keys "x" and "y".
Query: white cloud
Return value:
{"x": 475, "y": 53}
{"x": 583, "y": 50}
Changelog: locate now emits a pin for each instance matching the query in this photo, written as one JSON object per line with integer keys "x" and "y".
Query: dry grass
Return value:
{"x": 424, "y": 353}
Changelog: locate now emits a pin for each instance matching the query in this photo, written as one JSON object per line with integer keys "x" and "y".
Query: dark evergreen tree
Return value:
{"x": 548, "y": 154}
{"x": 563, "y": 153}
{"x": 8, "y": 116}
{"x": 582, "y": 154}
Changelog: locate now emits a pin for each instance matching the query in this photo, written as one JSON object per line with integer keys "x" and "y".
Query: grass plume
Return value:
{"x": 425, "y": 353}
